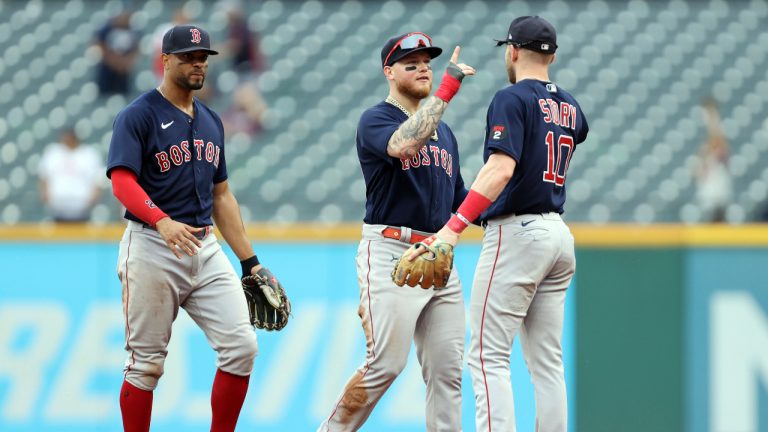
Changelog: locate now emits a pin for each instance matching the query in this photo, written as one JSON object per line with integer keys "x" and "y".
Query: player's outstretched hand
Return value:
{"x": 463, "y": 68}
{"x": 454, "y": 74}
{"x": 179, "y": 236}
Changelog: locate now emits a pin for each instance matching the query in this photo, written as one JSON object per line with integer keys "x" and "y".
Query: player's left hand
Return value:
{"x": 459, "y": 70}
{"x": 268, "y": 305}
{"x": 255, "y": 269}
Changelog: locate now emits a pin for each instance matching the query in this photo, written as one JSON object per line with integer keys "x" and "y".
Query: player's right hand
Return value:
{"x": 178, "y": 236}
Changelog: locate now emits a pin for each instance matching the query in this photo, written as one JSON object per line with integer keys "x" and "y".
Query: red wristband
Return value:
{"x": 128, "y": 191}
{"x": 474, "y": 204}
{"x": 456, "y": 224}
{"x": 448, "y": 88}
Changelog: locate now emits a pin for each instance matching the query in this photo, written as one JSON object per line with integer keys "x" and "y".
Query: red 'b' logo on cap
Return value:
{"x": 195, "y": 35}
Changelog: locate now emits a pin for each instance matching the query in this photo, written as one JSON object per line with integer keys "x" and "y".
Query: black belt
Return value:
{"x": 200, "y": 235}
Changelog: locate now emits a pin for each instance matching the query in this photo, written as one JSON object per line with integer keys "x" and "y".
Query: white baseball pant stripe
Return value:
{"x": 393, "y": 317}
{"x": 520, "y": 284}
{"x": 156, "y": 283}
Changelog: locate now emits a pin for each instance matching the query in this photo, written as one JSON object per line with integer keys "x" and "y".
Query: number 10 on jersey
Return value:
{"x": 555, "y": 157}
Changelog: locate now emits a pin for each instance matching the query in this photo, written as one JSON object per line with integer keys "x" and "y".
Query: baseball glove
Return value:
{"x": 432, "y": 268}
{"x": 268, "y": 305}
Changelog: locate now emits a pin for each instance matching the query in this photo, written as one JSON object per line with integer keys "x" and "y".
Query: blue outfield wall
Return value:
{"x": 727, "y": 340}
{"x": 61, "y": 347}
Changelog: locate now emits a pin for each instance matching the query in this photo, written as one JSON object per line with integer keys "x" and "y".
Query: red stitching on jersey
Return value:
{"x": 373, "y": 339}
{"x": 127, "y": 298}
{"x": 482, "y": 326}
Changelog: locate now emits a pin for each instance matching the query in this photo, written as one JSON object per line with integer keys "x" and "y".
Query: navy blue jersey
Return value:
{"x": 176, "y": 158}
{"x": 539, "y": 125}
{"x": 420, "y": 192}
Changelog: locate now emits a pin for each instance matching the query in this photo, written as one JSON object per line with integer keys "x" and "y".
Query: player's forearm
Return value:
{"x": 494, "y": 176}
{"x": 226, "y": 215}
{"x": 127, "y": 190}
{"x": 411, "y": 136}
{"x": 490, "y": 182}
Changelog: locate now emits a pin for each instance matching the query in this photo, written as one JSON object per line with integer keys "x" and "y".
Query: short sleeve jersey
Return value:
{"x": 539, "y": 125}
{"x": 177, "y": 158}
{"x": 420, "y": 192}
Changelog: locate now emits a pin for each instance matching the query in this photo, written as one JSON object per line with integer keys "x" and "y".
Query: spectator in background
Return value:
{"x": 179, "y": 18}
{"x": 242, "y": 49}
{"x": 246, "y": 111}
{"x": 713, "y": 181}
{"x": 119, "y": 46}
{"x": 70, "y": 178}
{"x": 242, "y": 46}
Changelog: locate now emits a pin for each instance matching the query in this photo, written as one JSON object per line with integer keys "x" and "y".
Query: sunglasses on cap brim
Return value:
{"x": 513, "y": 43}
{"x": 410, "y": 41}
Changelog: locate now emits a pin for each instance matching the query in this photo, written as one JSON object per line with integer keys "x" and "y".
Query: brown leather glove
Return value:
{"x": 432, "y": 268}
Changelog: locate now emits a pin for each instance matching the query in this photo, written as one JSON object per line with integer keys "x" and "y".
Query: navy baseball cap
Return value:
{"x": 186, "y": 38}
{"x": 533, "y": 33}
{"x": 408, "y": 43}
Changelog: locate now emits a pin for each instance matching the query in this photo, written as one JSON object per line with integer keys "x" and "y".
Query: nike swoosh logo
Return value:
{"x": 526, "y": 223}
{"x": 165, "y": 125}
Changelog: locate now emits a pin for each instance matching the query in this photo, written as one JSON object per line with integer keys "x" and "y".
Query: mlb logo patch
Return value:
{"x": 498, "y": 132}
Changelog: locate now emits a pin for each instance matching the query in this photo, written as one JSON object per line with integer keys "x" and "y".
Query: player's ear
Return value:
{"x": 552, "y": 59}
{"x": 513, "y": 52}
{"x": 389, "y": 73}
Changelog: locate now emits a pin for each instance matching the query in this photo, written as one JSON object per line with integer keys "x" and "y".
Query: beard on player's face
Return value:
{"x": 188, "y": 83}
{"x": 414, "y": 89}
{"x": 195, "y": 84}
{"x": 511, "y": 73}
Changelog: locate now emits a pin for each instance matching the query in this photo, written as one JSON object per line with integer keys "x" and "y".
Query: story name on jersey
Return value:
{"x": 440, "y": 157}
{"x": 180, "y": 153}
{"x": 562, "y": 114}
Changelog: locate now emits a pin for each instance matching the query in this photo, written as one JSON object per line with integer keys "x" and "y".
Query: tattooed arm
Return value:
{"x": 411, "y": 136}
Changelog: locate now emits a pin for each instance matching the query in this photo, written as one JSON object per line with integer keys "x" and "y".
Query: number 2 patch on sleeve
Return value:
{"x": 498, "y": 132}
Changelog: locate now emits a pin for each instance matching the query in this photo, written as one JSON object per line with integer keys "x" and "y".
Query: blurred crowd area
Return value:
{"x": 674, "y": 92}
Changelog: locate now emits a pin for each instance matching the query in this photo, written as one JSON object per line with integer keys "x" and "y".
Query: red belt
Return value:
{"x": 395, "y": 233}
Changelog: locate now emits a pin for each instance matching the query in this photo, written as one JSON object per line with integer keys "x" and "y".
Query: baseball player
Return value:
{"x": 410, "y": 162}
{"x": 167, "y": 165}
{"x": 527, "y": 259}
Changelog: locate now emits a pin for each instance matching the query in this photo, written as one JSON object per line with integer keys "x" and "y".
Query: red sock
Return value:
{"x": 136, "y": 406}
{"x": 227, "y": 398}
